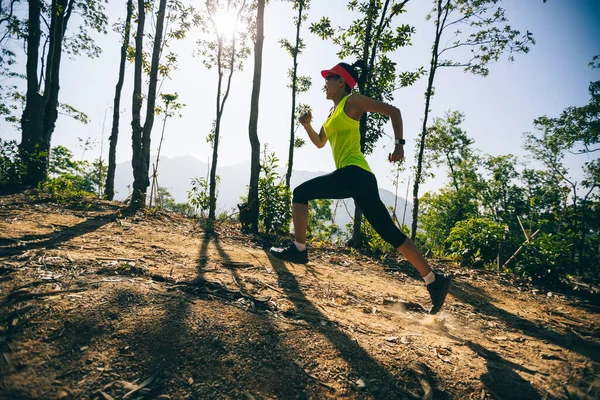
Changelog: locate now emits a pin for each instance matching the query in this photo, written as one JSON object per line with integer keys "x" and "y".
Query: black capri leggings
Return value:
{"x": 361, "y": 185}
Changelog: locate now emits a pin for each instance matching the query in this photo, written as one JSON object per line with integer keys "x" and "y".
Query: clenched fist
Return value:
{"x": 305, "y": 118}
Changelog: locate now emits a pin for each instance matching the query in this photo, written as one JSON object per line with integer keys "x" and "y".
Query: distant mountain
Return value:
{"x": 175, "y": 175}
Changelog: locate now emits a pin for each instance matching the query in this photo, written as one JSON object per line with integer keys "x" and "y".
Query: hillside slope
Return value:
{"x": 97, "y": 304}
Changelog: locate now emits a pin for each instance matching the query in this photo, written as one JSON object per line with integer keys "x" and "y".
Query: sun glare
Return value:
{"x": 226, "y": 23}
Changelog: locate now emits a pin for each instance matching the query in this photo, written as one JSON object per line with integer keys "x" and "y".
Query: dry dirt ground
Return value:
{"x": 98, "y": 304}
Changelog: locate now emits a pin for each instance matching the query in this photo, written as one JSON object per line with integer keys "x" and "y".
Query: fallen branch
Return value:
{"x": 520, "y": 248}
{"x": 23, "y": 295}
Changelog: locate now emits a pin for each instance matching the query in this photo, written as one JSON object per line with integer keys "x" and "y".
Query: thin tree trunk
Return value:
{"x": 220, "y": 107}
{"x": 109, "y": 192}
{"x": 253, "y": 202}
{"x": 288, "y": 175}
{"x": 136, "y": 110}
{"x": 432, "y": 69}
{"x": 154, "y": 187}
{"x": 141, "y": 179}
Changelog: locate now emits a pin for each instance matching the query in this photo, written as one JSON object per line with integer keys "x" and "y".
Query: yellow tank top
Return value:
{"x": 344, "y": 135}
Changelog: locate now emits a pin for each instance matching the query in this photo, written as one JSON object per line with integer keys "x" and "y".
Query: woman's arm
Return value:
{"x": 358, "y": 104}
{"x": 319, "y": 139}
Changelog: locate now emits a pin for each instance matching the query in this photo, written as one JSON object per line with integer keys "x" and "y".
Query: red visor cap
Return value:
{"x": 341, "y": 71}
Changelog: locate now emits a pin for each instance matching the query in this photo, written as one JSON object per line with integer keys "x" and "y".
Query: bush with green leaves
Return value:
{"x": 275, "y": 198}
{"x": 199, "y": 195}
{"x": 371, "y": 242}
{"x": 320, "y": 221}
{"x": 476, "y": 240}
{"x": 69, "y": 178}
{"x": 11, "y": 166}
{"x": 546, "y": 257}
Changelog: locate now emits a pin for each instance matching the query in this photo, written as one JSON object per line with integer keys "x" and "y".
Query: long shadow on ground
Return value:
{"x": 501, "y": 379}
{"x": 477, "y": 298}
{"x": 359, "y": 360}
{"x": 51, "y": 240}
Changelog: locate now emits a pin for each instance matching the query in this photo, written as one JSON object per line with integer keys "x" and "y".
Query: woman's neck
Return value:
{"x": 338, "y": 98}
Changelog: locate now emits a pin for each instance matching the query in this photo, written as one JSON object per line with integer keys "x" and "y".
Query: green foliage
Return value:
{"x": 11, "y": 166}
{"x": 320, "y": 221}
{"x": 547, "y": 257}
{"x": 440, "y": 212}
{"x": 476, "y": 239}
{"x": 274, "y": 197}
{"x": 371, "y": 242}
{"x": 71, "y": 179}
{"x": 481, "y": 28}
{"x": 198, "y": 195}
{"x": 66, "y": 188}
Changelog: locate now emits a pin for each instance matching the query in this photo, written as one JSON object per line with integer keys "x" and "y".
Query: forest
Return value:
{"x": 498, "y": 215}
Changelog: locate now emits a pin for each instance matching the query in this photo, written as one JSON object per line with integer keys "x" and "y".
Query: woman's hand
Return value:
{"x": 398, "y": 154}
{"x": 305, "y": 118}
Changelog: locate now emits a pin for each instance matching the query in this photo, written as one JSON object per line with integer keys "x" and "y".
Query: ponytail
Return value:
{"x": 364, "y": 68}
{"x": 352, "y": 70}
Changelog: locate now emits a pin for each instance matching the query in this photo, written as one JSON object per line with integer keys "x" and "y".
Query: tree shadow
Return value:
{"x": 477, "y": 298}
{"x": 359, "y": 360}
{"x": 215, "y": 352}
{"x": 53, "y": 239}
{"x": 501, "y": 379}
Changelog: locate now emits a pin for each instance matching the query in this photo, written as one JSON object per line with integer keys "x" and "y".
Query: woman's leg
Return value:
{"x": 379, "y": 217}
{"x": 376, "y": 213}
{"x": 300, "y": 221}
{"x": 339, "y": 184}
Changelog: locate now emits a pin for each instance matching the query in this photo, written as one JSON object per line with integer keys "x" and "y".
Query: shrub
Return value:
{"x": 547, "y": 257}
{"x": 199, "y": 195}
{"x": 11, "y": 166}
{"x": 476, "y": 239}
{"x": 275, "y": 213}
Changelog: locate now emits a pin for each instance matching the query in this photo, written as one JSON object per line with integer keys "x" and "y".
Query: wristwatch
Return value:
{"x": 399, "y": 141}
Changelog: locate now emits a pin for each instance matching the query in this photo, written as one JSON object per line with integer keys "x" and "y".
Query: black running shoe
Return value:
{"x": 438, "y": 290}
{"x": 290, "y": 253}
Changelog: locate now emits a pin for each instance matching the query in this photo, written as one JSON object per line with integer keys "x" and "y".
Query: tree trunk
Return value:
{"x": 288, "y": 175}
{"x": 141, "y": 179}
{"x": 220, "y": 108}
{"x": 253, "y": 202}
{"x": 109, "y": 192}
{"x": 40, "y": 114}
{"x": 432, "y": 69}
{"x": 31, "y": 120}
{"x": 136, "y": 110}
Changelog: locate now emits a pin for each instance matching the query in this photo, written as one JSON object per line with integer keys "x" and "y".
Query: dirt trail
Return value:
{"x": 99, "y": 305}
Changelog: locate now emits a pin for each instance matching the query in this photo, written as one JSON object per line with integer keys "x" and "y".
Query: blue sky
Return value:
{"x": 498, "y": 108}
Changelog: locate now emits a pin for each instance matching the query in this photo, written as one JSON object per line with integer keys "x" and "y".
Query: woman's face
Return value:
{"x": 333, "y": 84}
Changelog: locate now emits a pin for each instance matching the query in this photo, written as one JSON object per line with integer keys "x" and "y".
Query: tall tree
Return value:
{"x": 371, "y": 38}
{"x": 109, "y": 192}
{"x": 41, "y": 100}
{"x": 253, "y": 202}
{"x": 575, "y": 131}
{"x": 481, "y": 32}
{"x": 141, "y": 133}
{"x": 297, "y": 84}
{"x": 226, "y": 49}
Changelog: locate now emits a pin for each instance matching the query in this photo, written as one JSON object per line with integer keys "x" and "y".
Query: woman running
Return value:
{"x": 353, "y": 177}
